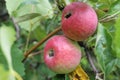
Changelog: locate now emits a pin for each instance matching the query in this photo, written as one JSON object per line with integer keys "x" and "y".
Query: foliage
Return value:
{"x": 30, "y": 21}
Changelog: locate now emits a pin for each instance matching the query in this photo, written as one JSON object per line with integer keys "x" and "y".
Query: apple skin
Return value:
{"x": 61, "y": 55}
{"x": 79, "y": 21}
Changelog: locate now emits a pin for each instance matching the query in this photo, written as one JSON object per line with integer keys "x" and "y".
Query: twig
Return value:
{"x": 91, "y": 61}
{"x": 88, "y": 52}
{"x": 40, "y": 42}
{"x": 98, "y": 76}
{"x": 109, "y": 18}
{"x": 17, "y": 28}
{"x": 93, "y": 66}
{"x": 28, "y": 38}
{"x": 36, "y": 53}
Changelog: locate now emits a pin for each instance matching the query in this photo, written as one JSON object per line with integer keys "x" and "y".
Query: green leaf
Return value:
{"x": 26, "y": 2}
{"x": 115, "y": 7}
{"x": 44, "y": 70}
{"x": 118, "y": 63}
{"x": 38, "y": 73}
{"x": 17, "y": 56}
{"x": 3, "y": 60}
{"x": 100, "y": 13}
{"x": 26, "y": 17}
{"x": 7, "y": 38}
{"x": 116, "y": 40}
{"x": 59, "y": 77}
{"x": 110, "y": 66}
{"x": 39, "y": 33}
{"x": 4, "y": 74}
{"x": 30, "y": 25}
{"x": 29, "y": 10}
{"x": 103, "y": 50}
{"x": 23, "y": 7}
{"x": 67, "y": 77}
{"x": 42, "y": 7}
{"x": 12, "y": 7}
{"x": 101, "y": 44}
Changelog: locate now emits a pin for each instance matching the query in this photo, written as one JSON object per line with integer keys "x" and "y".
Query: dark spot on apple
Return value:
{"x": 68, "y": 15}
{"x": 51, "y": 53}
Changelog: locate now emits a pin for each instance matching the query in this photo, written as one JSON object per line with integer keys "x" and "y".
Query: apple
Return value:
{"x": 79, "y": 21}
{"x": 61, "y": 54}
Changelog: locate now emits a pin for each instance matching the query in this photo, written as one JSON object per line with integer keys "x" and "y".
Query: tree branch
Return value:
{"x": 40, "y": 42}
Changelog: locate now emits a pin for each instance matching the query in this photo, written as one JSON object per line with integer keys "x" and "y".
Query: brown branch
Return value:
{"x": 40, "y": 42}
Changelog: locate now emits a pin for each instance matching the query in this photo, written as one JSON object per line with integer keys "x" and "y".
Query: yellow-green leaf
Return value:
{"x": 78, "y": 74}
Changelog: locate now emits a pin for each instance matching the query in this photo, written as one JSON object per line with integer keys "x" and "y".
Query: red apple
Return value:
{"x": 61, "y": 55}
{"x": 79, "y": 21}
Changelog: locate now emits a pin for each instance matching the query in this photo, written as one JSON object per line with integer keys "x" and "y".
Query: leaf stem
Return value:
{"x": 40, "y": 42}
{"x": 28, "y": 38}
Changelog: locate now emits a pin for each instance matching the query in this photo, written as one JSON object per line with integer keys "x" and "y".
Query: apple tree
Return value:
{"x": 28, "y": 30}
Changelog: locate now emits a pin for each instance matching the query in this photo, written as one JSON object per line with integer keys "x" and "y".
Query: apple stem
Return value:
{"x": 40, "y": 42}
